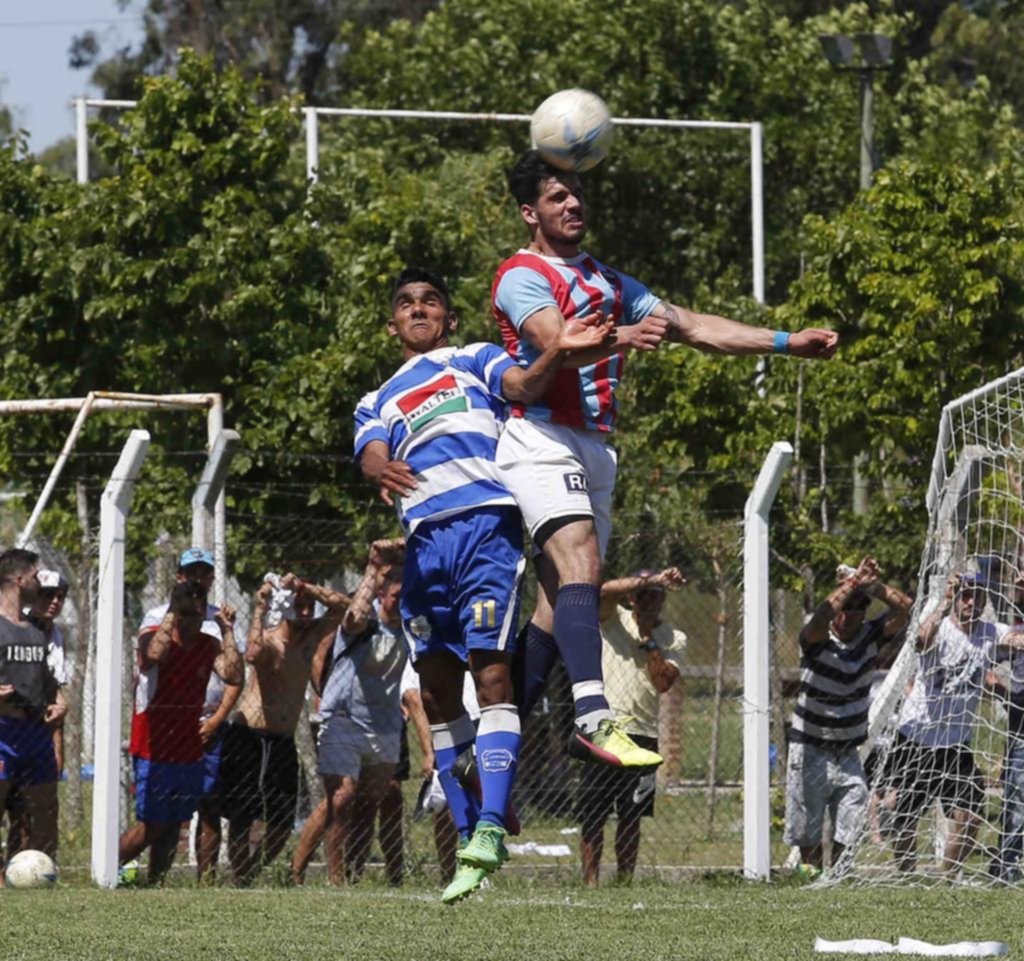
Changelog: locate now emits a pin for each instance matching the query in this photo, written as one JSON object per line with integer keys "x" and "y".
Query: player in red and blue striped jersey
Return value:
{"x": 554, "y": 455}
{"x": 428, "y": 438}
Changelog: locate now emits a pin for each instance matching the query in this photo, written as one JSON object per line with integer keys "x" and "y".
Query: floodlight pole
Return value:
{"x": 756, "y": 681}
{"x": 114, "y": 505}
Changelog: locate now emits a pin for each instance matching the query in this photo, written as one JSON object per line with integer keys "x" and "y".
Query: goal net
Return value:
{"x": 945, "y": 754}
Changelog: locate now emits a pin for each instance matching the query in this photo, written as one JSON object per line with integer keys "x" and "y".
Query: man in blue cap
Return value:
{"x": 196, "y": 566}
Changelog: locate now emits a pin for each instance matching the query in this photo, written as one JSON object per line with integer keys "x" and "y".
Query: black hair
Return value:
{"x": 527, "y": 176}
{"x": 420, "y": 275}
{"x": 15, "y": 562}
{"x": 857, "y": 601}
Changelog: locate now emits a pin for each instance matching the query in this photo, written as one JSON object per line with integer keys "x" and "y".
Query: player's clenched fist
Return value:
{"x": 813, "y": 343}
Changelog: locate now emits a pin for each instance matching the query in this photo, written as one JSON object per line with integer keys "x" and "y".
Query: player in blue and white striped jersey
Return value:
{"x": 427, "y": 437}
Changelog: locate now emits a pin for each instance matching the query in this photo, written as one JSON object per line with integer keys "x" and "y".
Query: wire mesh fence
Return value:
{"x": 260, "y": 816}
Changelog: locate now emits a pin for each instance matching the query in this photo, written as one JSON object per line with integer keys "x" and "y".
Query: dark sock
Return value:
{"x": 578, "y": 636}
{"x": 536, "y": 653}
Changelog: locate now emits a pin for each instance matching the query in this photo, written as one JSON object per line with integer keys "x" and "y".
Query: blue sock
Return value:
{"x": 497, "y": 756}
{"x": 578, "y": 635}
{"x": 450, "y": 740}
{"x": 536, "y": 653}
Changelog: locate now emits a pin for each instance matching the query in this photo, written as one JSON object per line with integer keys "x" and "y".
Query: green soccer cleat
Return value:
{"x": 611, "y": 745}
{"x": 486, "y": 849}
{"x": 467, "y": 880}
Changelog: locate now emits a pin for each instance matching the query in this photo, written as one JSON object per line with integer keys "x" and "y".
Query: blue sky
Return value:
{"x": 35, "y": 79}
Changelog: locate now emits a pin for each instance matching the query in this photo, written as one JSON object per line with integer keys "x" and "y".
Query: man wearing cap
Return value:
{"x": 931, "y": 757}
{"x": 839, "y": 648}
{"x": 196, "y": 565}
{"x": 641, "y": 658}
{"x": 182, "y": 646}
{"x": 30, "y": 702}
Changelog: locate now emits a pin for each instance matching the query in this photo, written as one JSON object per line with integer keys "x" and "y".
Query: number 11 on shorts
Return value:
{"x": 485, "y": 613}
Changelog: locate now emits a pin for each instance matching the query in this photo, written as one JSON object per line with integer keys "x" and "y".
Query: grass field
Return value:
{"x": 726, "y": 919}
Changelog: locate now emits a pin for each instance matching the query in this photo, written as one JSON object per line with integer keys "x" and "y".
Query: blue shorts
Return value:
{"x": 462, "y": 580}
{"x": 166, "y": 793}
{"x": 211, "y": 766}
{"x": 26, "y": 752}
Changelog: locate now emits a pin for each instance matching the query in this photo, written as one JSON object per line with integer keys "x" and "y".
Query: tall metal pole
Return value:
{"x": 81, "y": 141}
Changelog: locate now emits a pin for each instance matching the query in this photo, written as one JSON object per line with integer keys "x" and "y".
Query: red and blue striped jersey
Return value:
{"x": 528, "y": 282}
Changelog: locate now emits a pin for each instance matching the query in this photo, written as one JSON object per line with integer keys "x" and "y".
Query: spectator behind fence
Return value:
{"x": 31, "y": 703}
{"x": 196, "y": 566}
{"x": 641, "y": 659}
{"x": 175, "y": 660}
{"x": 42, "y": 613}
{"x": 839, "y": 651}
{"x": 260, "y": 763}
{"x": 931, "y": 757}
{"x": 1006, "y": 865}
{"x": 360, "y": 734}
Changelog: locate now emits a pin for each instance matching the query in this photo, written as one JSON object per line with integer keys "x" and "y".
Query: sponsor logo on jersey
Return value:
{"x": 576, "y": 483}
{"x": 441, "y": 396}
{"x": 496, "y": 759}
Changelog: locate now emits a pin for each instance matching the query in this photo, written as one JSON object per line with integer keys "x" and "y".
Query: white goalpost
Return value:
{"x": 947, "y": 726}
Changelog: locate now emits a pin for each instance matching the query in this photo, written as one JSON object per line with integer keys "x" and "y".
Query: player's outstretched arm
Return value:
{"x": 570, "y": 339}
{"x": 719, "y": 335}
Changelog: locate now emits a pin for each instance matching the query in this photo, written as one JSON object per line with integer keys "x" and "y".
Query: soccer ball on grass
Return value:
{"x": 31, "y": 869}
{"x": 572, "y": 129}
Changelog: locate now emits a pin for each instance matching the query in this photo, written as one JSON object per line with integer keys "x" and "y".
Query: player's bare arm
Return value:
{"x": 575, "y": 338}
{"x": 229, "y": 664}
{"x": 720, "y": 335}
{"x": 546, "y": 326}
{"x": 391, "y": 476}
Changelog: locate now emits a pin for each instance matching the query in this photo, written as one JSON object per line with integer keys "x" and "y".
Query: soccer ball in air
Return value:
{"x": 31, "y": 869}
{"x": 572, "y": 129}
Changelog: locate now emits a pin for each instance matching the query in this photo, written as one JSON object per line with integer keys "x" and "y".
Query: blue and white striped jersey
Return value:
{"x": 441, "y": 413}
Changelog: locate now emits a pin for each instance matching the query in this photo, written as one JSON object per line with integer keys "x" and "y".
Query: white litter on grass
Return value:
{"x": 545, "y": 850}
{"x": 960, "y": 949}
{"x": 569, "y": 831}
{"x": 639, "y": 906}
{"x": 911, "y": 946}
{"x": 854, "y": 946}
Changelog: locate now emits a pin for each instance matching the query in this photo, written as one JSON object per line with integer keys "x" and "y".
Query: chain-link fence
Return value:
{"x": 697, "y": 821}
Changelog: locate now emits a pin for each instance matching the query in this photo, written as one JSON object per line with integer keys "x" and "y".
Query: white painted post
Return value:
{"x": 312, "y": 143}
{"x": 207, "y": 502}
{"x": 756, "y": 698}
{"x": 757, "y": 208}
{"x": 81, "y": 140}
{"x": 114, "y": 506}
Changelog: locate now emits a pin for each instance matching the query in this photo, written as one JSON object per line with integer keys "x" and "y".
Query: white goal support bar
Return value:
{"x": 211, "y": 528}
{"x": 116, "y": 500}
{"x": 756, "y": 679}
{"x": 311, "y": 116}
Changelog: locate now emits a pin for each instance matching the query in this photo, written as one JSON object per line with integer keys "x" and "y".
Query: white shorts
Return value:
{"x": 820, "y": 779}
{"x": 554, "y": 471}
{"x": 344, "y": 748}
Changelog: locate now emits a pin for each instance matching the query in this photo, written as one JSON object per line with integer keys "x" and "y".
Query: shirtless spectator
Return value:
{"x": 260, "y": 764}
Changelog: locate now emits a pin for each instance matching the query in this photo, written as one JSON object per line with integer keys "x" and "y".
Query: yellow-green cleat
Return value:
{"x": 486, "y": 849}
{"x": 611, "y": 745}
{"x": 467, "y": 880}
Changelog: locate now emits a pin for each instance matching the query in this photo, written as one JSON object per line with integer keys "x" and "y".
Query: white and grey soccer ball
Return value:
{"x": 572, "y": 129}
{"x": 31, "y": 869}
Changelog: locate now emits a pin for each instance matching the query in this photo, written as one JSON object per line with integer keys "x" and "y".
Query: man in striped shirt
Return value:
{"x": 427, "y": 437}
{"x": 838, "y": 651}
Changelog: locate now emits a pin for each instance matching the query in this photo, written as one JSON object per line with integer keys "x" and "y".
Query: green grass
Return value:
{"x": 726, "y": 919}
